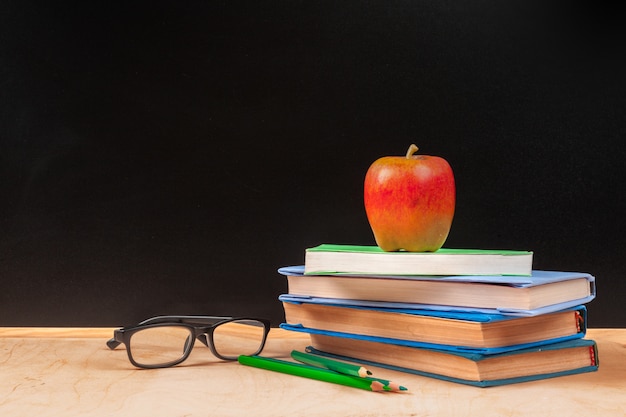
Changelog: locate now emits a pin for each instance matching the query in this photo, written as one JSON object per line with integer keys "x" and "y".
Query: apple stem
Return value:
{"x": 411, "y": 151}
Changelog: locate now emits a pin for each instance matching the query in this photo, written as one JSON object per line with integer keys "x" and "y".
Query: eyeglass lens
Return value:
{"x": 160, "y": 345}
{"x": 165, "y": 345}
{"x": 239, "y": 337}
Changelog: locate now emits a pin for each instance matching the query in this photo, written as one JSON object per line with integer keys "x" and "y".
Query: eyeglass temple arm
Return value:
{"x": 112, "y": 343}
{"x": 185, "y": 319}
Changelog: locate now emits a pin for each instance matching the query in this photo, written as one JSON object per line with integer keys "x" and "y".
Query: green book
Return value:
{"x": 371, "y": 260}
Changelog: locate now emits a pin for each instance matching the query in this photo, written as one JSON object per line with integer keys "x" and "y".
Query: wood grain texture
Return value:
{"x": 71, "y": 372}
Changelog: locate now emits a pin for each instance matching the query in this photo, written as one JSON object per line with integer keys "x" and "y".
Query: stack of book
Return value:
{"x": 478, "y": 317}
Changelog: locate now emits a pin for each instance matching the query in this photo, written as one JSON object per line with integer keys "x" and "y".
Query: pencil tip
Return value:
{"x": 396, "y": 387}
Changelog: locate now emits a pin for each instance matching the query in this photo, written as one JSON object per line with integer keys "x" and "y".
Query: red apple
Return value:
{"x": 409, "y": 201}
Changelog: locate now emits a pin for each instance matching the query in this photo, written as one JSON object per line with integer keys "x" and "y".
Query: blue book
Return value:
{"x": 481, "y": 333}
{"x": 547, "y": 361}
{"x": 539, "y": 293}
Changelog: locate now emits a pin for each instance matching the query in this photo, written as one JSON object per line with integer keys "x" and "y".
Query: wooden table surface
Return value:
{"x": 71, "y": 372}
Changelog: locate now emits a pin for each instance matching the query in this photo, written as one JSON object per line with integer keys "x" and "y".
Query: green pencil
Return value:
{"x": 311, "y": 372}
{"x": 341, "y": 367}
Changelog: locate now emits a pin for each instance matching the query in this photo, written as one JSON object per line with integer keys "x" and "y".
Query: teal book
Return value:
{"x": 458, "y": 331}
{"x": 548, "y": 361}
{"x": 352, "y": 259}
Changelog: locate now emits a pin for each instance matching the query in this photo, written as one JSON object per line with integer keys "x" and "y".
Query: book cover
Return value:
{"x": 354, "y": 259}
{"x": 491, "y": 294}
{"x": 428, "y": 328}
{"x": 535, "y": 363}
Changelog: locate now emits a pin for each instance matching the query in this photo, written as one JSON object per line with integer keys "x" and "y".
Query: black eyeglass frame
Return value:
{"x": 200, "y": 327}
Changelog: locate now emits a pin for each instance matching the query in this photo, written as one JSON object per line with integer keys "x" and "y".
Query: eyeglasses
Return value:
{"x": 164, "y": 341}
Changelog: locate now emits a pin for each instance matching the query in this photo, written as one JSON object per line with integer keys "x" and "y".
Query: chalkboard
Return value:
{"x": 169, "y": 157}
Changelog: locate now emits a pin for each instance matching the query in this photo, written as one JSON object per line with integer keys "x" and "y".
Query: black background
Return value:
{"x": 163, "y": 158}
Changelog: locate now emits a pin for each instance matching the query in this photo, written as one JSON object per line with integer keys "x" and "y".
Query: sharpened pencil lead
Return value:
{"x": 396, "y": 387}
